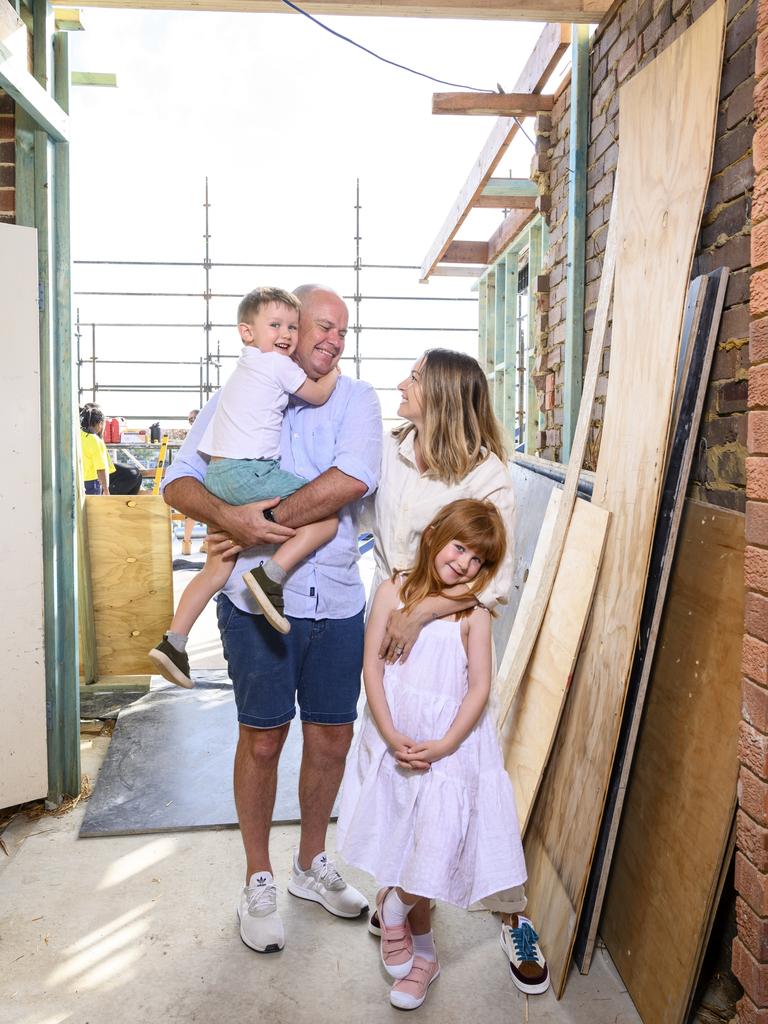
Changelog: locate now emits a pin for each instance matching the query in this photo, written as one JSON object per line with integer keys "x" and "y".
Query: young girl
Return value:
{"x": 427, "y": 807}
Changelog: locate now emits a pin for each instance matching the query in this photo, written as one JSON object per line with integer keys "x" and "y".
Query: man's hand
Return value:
{"x": 246, "y": 525}
{"x": 403, "y": 630}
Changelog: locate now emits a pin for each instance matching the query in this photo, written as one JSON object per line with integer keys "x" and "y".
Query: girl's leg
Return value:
{"x": 410, "y": 992}
{"x": 214, "y": 575}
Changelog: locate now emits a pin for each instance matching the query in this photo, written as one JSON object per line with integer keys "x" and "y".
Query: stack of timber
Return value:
{"x": 664, "y": 169}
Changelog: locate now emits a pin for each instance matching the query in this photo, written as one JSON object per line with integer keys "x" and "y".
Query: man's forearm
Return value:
{"x": 189, "y": 496}
{"x": 320, "y": 498}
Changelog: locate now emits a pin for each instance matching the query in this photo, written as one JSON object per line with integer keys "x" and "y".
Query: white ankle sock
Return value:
{"x": 424, "y": 946}
{"x": 395, "y": 911}
{"x": 275, "y": 572}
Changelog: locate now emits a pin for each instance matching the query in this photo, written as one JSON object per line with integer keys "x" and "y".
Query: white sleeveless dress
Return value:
{"x": 451, "y": 833}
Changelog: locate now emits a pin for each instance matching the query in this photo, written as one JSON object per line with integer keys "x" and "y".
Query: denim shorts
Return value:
{"x": 241, "y": 481}
{"x": 319, "y": 662}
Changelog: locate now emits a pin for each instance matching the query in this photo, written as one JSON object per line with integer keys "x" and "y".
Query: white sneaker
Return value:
{"x": 260, "y": 924}
{"x": 323, "y": 884}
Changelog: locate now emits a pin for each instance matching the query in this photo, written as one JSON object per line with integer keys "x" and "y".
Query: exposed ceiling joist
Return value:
{"x": 466, "y": 252}
{"x": 443, "y": 270}
{"x": 484, "y": 202}
{"x": 581, "y": 11}
{"x": 491, "y": 104}
{"x": 511, "y": 226}
{"x": 510, "y": 187}
{"x": 551, "y": 45}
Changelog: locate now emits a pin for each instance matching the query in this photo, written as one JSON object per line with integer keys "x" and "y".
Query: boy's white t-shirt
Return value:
{"x": 249, "y": 417}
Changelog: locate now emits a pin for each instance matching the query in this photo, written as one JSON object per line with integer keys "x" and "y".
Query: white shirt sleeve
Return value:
{"x": 289, "y": 375}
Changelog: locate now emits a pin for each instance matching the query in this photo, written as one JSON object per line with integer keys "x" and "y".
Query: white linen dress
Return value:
{"x": 450, "y": 833}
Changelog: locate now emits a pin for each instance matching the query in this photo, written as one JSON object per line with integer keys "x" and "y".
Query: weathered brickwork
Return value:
{"x": 750, "y": 948}
{"x": 7, "y": 159}
{"x": 632, "y": 35}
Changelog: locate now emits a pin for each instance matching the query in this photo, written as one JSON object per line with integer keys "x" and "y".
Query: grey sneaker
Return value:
{"x": 269, "y": 596}
{"x": 260, "y": 924}
{"x": 172, "y": 665}
{"x": 323, "y": 884}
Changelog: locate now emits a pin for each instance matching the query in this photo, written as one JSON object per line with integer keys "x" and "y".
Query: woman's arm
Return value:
{"x": 373, "y": 668}
{"x": 403, "y": 627}
{"x": 471, "y": 708}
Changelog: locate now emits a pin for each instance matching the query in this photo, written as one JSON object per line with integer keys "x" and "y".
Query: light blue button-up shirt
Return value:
{"x": 345, "y": 433}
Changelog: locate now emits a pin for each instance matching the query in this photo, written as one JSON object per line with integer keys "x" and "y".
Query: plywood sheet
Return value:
{"x": 682, "y": 791}
{"x": 535, "y": 709}
{"x": 666, "y": 127}
{"x": 129, "y": 540}
{"x": 23, "y": 752}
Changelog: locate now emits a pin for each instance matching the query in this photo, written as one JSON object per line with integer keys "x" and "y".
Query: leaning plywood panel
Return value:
{"x": 129, "y": 542}
{"x": 535, "y": 709}
{"x": 682, "y": 791}
{"x": 666, "y": 127}
{"x": 23, "y": 752}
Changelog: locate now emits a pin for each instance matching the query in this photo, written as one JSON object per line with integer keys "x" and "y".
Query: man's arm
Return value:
{"x": 245, "y": 524}
{"x": 320, "y": 498}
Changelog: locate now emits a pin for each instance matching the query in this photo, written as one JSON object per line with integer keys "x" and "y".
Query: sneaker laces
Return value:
{"x": 262, "y": 899}
{"x": 329, "y": 876}
{"x": 525, "y": 940}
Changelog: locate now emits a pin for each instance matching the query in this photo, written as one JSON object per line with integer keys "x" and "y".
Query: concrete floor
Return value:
{"x": 139, "y": 930}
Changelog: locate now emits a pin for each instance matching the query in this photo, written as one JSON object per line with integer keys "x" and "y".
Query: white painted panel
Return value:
{"x": 23, "y": 754}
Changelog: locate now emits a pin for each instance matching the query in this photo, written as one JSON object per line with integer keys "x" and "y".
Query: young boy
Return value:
{"x": 242, "y": 443}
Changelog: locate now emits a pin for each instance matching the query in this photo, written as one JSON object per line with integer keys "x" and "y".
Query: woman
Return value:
{"x": 97, "y": 464}
{"x": 451, "y": 448}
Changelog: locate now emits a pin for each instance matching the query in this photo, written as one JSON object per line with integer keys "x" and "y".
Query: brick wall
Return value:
{"x": 750, "y": 948}
{"x": 629, "y": 37}
{"x": 7, "y": 159}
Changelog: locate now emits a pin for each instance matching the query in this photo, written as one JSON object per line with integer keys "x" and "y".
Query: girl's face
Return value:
{"x": 411, "y": 408}
{"x": 457, "y": 563}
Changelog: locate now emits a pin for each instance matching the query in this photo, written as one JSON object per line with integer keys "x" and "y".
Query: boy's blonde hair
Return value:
{"x": 251, "y": 303}
{"x": 476, "y": 524}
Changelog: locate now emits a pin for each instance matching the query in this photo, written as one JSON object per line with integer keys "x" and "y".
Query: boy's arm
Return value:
{"x": 479, "y": 687}
{"x": 317, "y": 392}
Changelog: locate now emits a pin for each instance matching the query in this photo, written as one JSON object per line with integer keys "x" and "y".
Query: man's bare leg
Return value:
{"x": 255, "y": 783}
{"x": 322, "y": 767}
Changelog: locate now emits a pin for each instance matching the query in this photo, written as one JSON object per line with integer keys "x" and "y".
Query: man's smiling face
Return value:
{"x": 322, "y": 329}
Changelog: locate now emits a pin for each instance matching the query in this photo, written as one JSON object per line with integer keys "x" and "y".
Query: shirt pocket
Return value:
{"x": 321, "y": 447}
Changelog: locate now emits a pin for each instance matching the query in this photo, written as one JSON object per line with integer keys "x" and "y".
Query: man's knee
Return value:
{"x": 327, "y": 742}
{"x": 262, "y": 745}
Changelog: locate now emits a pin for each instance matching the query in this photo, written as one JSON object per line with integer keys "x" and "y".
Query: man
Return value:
{"x": 337, "y": 446}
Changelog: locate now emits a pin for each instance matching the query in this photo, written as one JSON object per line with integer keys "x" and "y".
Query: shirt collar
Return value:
{"x": 407, "y": 448}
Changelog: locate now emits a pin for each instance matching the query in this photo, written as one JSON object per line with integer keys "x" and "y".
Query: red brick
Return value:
{"x": 757, "y": 432}
{"x": 756, "y": 616}
{"x": 758, "y": 386}
{"x": 753, "y": 792}
{"x": 756, "y": 569}
{"x": 760, "y": 193}
{"x": 758, "y": 341}
{"x": 7, "y": 127}
{"x": 753, "y": 750}
{"x": 748, "y": 1013}
{"x": 753, "y": 930}
{"x": 754, "y": 655}
{"x": 758, "y": 301}
{"x": 761, "y": 101}
{"x": 757, "y": 523}
{"x": 750, "y": 972}
{"x": 752, "y": 886}
{"x": 760, "y": 148}
{"x": 757, "y": 476}
{"x": 761, "y": 54}
{"x": 752, "y": 840}
{"x": 759, "y": 244}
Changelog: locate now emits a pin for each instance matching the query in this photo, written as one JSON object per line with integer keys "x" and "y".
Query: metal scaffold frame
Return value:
{"x": 209, "y": 363}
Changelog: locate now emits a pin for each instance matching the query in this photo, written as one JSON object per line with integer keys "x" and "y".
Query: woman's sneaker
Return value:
{"x": 172, "y": 665}
{"x": 410, "y": 992}
{"x": 269, "y": 596}
{"x": 526, "y": 961}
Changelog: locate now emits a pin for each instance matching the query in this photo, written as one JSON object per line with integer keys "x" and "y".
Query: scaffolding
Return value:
{"x": 209, "y": 363}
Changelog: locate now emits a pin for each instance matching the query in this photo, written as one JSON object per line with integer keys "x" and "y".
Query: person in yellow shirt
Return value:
{"x": 97, "y": 465}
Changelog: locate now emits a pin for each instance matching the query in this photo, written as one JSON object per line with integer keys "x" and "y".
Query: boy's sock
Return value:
{"x": 395, "y": 911}
{"x": 275, "y": 572}
{"x": 424, "y": 946}
{"x": 177, "y": 640}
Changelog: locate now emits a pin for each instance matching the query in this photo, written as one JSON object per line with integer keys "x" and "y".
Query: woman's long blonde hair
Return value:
{"x": 476, "y": 524}
{"x": 458, "y": 416}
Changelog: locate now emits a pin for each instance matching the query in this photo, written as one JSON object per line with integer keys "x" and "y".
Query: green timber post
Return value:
{"x": 535, "y": 256}
{"x": 500, "y": 321}
{"x": 577, "y": 213}
{"x": 510, "y": 347}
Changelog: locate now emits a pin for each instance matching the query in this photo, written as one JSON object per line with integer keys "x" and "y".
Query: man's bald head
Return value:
{"x": 322, "y": 328}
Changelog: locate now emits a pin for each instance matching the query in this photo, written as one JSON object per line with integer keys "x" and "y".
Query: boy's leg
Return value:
{"x": 306, "y": 540}
{"x": 197, "y": 594}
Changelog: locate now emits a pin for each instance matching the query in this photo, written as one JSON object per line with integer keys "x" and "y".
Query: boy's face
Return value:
{"x": 275, "y": 328}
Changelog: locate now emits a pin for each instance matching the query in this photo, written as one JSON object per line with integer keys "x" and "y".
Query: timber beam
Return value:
{"x": 511, "y": 226}
{"x": 567, "y": 11}
{"x": 443, "y": 270}
{"x": 491, "y": 104}
{"x": 551, "y": 45}
{"x": 466, "y": 252}
{"x": 484, "y": 202}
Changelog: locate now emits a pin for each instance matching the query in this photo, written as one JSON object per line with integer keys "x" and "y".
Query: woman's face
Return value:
{"x": 410, "y": 407}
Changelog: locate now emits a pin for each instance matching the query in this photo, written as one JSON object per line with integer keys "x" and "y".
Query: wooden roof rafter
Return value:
{"x": 550, "y": 47}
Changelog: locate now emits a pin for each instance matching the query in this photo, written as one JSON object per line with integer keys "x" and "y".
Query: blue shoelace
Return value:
{"x": 525, "y": 939}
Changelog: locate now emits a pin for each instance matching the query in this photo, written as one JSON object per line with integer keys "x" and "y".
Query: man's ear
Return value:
{"x": 246, "y": 333}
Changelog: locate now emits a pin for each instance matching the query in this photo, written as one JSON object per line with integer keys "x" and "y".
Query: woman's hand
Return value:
{"x": 402, "y": 632}
{"x": 221, "y": 545}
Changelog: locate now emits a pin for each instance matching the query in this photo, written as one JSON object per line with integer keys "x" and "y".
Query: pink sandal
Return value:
{"x": 396, "y": 942}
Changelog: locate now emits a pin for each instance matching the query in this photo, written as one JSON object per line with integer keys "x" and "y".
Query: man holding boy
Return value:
{"x": 337, "y": 446}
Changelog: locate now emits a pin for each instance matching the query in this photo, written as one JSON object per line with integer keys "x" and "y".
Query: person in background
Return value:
{"x": 97, "y": 464}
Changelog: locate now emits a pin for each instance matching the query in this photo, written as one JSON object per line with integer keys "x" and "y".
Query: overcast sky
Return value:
{"x": 282, "y": 118}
